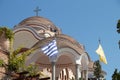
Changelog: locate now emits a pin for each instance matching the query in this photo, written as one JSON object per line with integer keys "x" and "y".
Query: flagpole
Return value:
{"x": 99, "y": 41}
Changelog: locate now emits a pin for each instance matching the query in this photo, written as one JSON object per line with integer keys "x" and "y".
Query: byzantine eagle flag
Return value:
{"x": 101, "y": 54}
{"x": 50, "y": 49}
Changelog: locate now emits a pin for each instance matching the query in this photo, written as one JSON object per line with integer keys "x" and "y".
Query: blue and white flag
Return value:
{"x": 50, "y": 49}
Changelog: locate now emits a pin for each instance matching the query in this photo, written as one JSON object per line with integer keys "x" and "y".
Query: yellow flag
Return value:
{"x": 101, "y": 54}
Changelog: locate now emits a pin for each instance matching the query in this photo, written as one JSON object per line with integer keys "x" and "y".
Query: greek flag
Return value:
{"x": 50, "y": 49}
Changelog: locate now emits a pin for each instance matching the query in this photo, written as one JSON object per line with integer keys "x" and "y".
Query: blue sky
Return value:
{"x": 84, "y": 20}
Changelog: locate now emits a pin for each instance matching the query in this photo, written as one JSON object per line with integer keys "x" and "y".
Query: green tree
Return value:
{"x": 118, "y": 30}
{"x": 116, "y": 75}
{"x": 7, "y": 33}
{"x": 97, "y": 70}
{"x": 16, "y": 62}
{"x": 118, "y": 26}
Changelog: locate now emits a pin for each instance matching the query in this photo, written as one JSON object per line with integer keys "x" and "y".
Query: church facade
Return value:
{"x": 71, "y": 62}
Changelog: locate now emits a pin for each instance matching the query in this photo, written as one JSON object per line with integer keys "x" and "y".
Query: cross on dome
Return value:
{"x": 37, "y": 10}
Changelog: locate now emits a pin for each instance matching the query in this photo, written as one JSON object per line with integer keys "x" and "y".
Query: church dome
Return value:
{"x": 36, "y": 21}
{"x": 39, "y": 22}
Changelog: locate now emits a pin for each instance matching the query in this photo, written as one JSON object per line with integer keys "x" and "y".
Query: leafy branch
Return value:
{"x": 16, "y": 58}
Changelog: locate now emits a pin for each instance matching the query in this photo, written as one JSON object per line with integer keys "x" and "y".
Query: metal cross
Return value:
{"x": 37, "y": 10}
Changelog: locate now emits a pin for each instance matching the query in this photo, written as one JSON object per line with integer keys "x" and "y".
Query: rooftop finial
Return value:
{"x": 37, "y": 10}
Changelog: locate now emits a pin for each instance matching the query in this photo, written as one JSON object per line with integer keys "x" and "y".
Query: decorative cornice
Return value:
{"x": 62, "y": 42}
{"x": 29, "y": 29}
{"x": 57, "y": 65}
{"x": 37, "y": 21}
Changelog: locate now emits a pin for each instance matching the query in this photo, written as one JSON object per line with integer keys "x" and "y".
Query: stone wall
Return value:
{"x": 4, "y": 47}
{"x": 2, "y": 69}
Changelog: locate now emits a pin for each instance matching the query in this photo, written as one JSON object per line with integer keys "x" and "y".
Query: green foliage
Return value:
{"x": 97, "y": 69}
{"x": 118, "y": 30}
{"x": 1, "y": 63}
{"x": 116, "y": 75}
{"x": 17, "y": 61}
{"x": 80, "y": 79}
{"x": 33, "y": 70}
{"x": 7, "y": 32}
{"x": 118, "y": 26}
{"x": 16, "y": 58}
